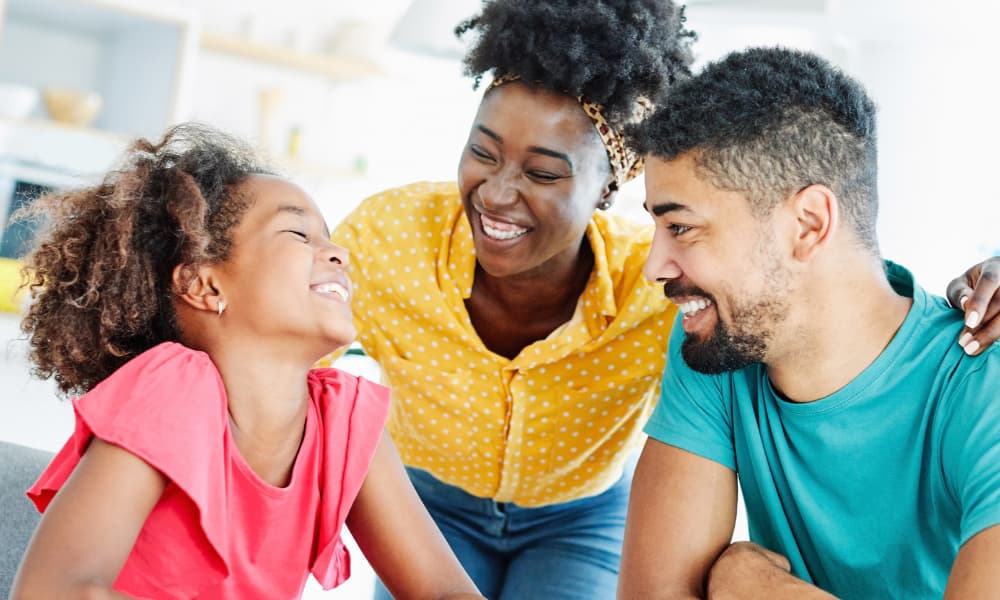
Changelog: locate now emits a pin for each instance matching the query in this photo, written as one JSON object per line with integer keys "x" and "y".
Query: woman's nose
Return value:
{"x": 498, "y": 191}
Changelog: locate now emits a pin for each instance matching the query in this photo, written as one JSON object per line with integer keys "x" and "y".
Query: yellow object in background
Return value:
{"x": 11, "y": 299}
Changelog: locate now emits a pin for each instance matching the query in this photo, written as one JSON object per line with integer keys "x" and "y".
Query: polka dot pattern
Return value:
{"x": 555, "y": 423}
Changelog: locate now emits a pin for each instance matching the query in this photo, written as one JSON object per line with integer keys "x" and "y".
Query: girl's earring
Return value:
{"x": 222, "y": 307}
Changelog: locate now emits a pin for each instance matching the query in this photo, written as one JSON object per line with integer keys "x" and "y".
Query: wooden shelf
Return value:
{"x": 334, "y": 67}
{"x": 295, "y": 167}
{"x": 41, "y": 123}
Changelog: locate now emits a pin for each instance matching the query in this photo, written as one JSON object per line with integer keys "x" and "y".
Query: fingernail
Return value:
{"x": 972, "y": 347}
{"x": 972, "y": 319}
{"x": 962, "y": 341}
{"x": 962, "y": 301}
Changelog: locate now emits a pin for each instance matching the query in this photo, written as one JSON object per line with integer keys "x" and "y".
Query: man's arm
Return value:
{"x": 748, "y": 571}
{"x": 680, "y": 518}
{"x": 975, "y": 574}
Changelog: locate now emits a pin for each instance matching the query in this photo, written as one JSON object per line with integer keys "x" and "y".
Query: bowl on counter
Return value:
{"x": 16, "y": 100}
{"x": 71, "y": 107}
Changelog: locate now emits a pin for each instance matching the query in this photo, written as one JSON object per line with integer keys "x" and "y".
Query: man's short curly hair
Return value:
{"x": 769, "y": 122}
{"x": 607, "y": 51}
{"x": 101, "y": 271}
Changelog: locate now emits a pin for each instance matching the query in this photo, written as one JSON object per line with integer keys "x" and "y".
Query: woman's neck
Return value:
{"x": 538, "y": 303}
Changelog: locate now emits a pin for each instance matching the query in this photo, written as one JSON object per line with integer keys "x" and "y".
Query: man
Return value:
{"x": 866, "y": 441}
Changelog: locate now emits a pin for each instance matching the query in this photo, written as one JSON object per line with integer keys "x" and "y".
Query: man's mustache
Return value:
{"x": 677, "y": 288}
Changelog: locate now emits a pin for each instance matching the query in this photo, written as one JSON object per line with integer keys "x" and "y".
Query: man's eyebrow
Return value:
{"x": 663, "y": 208}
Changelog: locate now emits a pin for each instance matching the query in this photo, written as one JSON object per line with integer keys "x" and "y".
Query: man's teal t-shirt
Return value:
{"x": 871, "y": 491}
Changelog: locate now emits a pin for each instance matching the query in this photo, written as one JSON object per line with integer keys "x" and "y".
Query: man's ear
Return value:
{"x": 197, "y": 287}
{"x": 817, "y": 216}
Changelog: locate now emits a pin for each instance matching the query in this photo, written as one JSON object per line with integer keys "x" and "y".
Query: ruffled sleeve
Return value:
{"x": 168, "y": 407}
{"x": 354, "y": 411}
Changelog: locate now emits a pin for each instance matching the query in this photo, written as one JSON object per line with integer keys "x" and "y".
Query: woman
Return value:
{"x": 509, "y": 313}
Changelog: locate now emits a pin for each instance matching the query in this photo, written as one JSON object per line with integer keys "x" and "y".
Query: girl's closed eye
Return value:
{"x": 303, "y": 235}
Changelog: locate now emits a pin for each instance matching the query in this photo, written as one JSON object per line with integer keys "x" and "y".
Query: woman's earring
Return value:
{"x": 222, "y": 307}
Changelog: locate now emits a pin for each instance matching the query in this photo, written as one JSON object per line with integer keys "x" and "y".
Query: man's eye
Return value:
{"x": 678, "y": 230}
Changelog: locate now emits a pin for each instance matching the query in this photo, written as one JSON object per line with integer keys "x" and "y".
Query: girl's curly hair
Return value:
{"x": 607, "y": 51}
{"x": 100, "y": 274}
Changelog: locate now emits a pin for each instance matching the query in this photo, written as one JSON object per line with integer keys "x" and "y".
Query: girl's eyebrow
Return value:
{"x": 298, "y": 210}
{"x": 301, "y": 212}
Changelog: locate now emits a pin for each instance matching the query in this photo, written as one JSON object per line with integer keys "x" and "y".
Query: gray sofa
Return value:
{"x": 19, "y": 468}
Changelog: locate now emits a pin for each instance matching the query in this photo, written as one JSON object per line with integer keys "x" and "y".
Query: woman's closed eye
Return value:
{"x": 543, "y": 176}
{"x": 300, "y": 234}
{"x": 480, "y": 153}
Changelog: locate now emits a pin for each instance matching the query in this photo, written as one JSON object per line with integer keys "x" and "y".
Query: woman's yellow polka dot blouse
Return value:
{"x": 554, "y": 424}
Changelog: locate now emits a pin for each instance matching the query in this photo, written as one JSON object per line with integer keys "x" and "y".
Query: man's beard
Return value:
{"x": 746, "y": 339}
{"x": 727, "y": 350}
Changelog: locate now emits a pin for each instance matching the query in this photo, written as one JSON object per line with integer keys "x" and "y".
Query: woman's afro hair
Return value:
{"x": 607, "y": 51}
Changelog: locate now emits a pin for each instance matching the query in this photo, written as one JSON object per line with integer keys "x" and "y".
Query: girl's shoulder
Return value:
{"x": 168, "y": 379}
{"x": 352, "y": 413}
{"x": 166, "y": 406}
{"x": 166, "y": 358}
{"x": 348, "y": 399}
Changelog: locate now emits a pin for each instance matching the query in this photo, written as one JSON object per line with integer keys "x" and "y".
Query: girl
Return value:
{"x": 186, "y": 297}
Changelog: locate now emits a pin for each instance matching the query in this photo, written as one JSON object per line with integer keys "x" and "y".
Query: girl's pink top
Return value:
{"x": 219, "y": 531}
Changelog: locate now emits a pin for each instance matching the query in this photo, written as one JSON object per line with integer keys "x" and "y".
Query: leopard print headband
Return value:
{"x": 625, "y": 163}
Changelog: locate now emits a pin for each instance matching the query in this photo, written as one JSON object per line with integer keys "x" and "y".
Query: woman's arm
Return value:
{"x": 400, "y": 539}
{"x": 977, "y": 293}
{"x": 88, "y": 530}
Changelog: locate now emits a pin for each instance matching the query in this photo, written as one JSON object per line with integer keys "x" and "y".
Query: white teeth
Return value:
{"x": 500, "y": 234}
{"x": 693, "y": 307}
{"x": 333, "y": 288}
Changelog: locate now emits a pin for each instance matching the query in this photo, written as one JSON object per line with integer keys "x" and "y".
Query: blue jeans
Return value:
{"x": 567, "y": 551}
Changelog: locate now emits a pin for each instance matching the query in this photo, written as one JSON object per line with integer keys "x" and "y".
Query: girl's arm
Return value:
{"x": 400, "y": 539}
{"x": 88, "y": 530}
